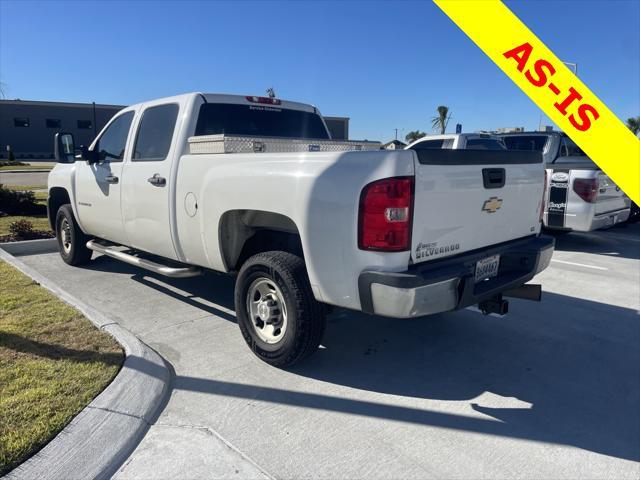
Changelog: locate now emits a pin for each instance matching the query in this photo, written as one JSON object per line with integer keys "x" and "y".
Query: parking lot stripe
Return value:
{"x": 579, "y": 264}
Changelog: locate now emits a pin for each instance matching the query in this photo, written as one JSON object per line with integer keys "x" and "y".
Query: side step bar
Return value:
{"x": 173, "y": 272}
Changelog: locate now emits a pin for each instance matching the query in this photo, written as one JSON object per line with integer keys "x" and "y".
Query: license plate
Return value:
{"x": 487, "y": 267}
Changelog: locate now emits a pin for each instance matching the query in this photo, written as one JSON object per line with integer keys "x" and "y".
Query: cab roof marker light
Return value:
{"x": 263, "y": 100}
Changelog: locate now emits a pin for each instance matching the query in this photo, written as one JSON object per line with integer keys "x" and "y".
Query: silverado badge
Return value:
{"x": 492, "y": 205}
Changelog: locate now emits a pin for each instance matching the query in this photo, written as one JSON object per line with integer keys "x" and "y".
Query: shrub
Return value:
{"x": 11, "y": 163}
{"x": 20, "y": 203}
{"x": 22, "y": 230}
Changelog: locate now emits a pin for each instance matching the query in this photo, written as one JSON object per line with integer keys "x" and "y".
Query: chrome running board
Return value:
{"x": 112, "y": 251}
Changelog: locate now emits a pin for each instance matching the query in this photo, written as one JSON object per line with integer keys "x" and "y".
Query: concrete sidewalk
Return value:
{"x": 551, "y": 390}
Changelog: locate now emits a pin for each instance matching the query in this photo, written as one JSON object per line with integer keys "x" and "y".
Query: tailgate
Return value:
{"x": 469, "y": 199}
{"x": 610, "y": 197}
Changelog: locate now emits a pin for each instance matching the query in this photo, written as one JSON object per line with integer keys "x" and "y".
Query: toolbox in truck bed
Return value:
{"x": 223, "y": 143}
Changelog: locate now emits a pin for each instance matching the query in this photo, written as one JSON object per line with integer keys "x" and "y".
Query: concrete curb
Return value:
{"x": 28, "y": 170}
{"x": 103, "y": 435}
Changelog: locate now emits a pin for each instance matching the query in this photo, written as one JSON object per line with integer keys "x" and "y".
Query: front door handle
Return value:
{"x": 157, "y": 180}
{"x": 111, "y": 179}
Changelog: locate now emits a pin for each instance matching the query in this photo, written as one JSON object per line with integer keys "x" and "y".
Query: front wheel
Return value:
{"x": 71, "y": 240}
{"x": 279, "y": 317}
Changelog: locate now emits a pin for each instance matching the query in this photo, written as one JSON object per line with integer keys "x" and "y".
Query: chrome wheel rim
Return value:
{"x": 65, "y": 235}
{"x": 267, "y": 310}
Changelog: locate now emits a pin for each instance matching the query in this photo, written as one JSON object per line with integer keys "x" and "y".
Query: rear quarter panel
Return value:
{"x": 319, "y": 192}
{"x": 579, "y": 215}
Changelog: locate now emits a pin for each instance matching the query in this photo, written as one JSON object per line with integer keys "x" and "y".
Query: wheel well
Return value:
{"x": 58, "y": 196}
{"x": 243, "y": 233}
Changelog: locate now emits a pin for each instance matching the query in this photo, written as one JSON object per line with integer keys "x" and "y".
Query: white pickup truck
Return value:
{"x": 255, "y": 186}
{"x": 459, "y": 141}
{"x": 580, "y": 196}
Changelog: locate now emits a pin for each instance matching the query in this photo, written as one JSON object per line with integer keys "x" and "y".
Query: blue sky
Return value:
{"x": 384, "y": 64}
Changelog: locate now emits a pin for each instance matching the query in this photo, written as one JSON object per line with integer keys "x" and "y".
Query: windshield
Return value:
{"x": 259, "y": 121}
{"x": 525, "y": 142}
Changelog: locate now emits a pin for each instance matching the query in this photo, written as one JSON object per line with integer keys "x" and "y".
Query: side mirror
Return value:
{"x": 64, "y": 148}
{"x": 90, "y": 156}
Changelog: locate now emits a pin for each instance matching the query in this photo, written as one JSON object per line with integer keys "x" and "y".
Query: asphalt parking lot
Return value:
{"x": 551, "y": 390}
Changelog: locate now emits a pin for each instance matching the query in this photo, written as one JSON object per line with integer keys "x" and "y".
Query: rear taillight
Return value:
{"x": 544, "y": 196}
{"x": 586, "y": 188}
{"x": 385, "y": 216}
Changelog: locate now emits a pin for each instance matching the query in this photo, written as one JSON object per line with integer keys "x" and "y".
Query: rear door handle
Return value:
{"x": 157, "y": 180}
{"x": 111, "y": 179}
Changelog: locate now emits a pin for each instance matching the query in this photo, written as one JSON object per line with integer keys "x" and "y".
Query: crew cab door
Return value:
{"x": 98, "y": 186}
{"x": 146, "y": 178}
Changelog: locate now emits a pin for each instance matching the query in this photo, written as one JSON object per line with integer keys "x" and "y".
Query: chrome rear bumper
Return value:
{"x": 449, "y": 284}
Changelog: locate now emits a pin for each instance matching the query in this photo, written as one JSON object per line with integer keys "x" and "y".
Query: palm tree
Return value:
{"x": 440, "y": 122}
{"x": 3, "y": 87}
{"x": 413, "y": 136}
{"x": 634, "y": 124}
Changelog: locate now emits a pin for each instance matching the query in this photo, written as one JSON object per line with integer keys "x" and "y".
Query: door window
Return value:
{"x": 114, "y": 139}
{"x": 155, "y": 133}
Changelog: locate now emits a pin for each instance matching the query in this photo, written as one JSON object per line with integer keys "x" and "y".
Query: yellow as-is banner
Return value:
{"x": 552, "y": 86}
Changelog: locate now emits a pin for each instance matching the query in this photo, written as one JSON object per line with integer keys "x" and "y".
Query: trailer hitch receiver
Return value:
{"x": 495, "y": 305}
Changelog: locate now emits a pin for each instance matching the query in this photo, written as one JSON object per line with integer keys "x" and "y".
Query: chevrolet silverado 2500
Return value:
{"x": 255, "y": 186}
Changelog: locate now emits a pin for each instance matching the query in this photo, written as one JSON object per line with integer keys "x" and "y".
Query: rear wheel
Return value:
{"x": 71, "y": 240}
{"x": 279, "y": 317}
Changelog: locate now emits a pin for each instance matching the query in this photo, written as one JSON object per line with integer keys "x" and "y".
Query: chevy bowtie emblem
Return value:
{"x": 492, "y": 205}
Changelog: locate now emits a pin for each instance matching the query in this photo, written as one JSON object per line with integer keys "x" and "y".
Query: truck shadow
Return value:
{"x": 206, "y": 293}
{"x": 620, "y": 241}
{"x": 576, "y": 362}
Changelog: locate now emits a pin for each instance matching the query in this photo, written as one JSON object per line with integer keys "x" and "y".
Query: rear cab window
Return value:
{"x": 535, "y": 143}
{"x": 259, "y": 121}
{"x": 485, "y": 144}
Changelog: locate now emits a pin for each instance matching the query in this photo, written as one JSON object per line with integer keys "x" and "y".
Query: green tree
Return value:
{"x": 634, "y": 124}
{"x": 440, "y": 122}
{"x": 414, "y": 135}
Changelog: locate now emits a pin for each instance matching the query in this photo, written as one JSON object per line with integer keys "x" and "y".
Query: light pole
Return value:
{"x": 574, "y": 65}
{"x": 94, "y": 120}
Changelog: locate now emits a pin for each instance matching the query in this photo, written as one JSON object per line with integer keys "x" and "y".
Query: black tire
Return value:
{"x": 305, "y": 319}
{"x": 555, "y": 231}
{"x": 76, "y": 251}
